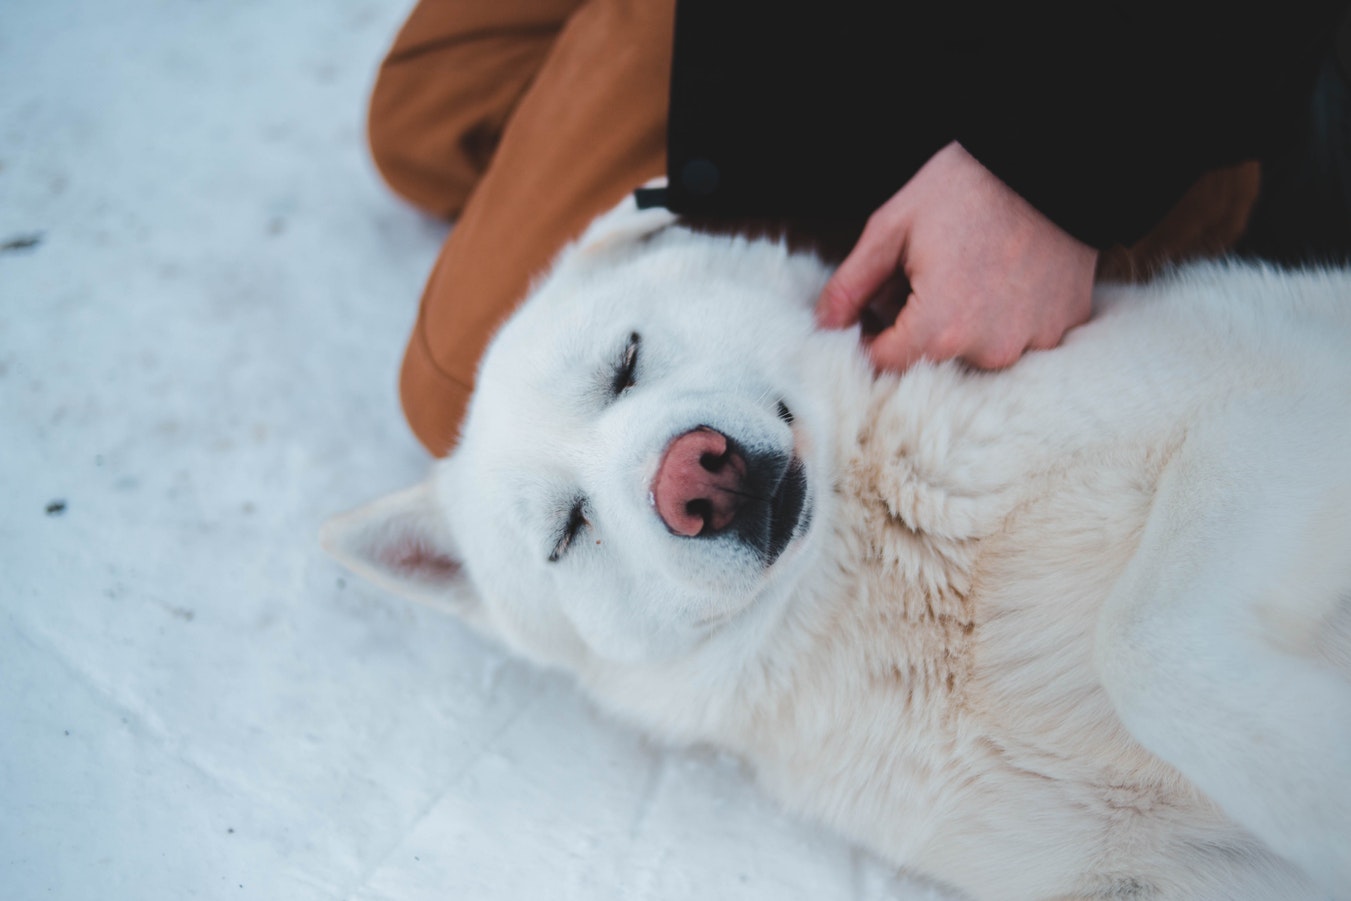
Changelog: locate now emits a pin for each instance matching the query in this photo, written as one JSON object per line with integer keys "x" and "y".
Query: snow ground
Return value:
{"x": 204, "y": 293}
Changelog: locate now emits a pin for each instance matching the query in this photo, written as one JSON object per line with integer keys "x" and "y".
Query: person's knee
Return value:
{"x": 407, "y": 142}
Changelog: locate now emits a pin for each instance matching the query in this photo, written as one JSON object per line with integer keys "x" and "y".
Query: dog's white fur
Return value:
{"x": 1078, "y": 629}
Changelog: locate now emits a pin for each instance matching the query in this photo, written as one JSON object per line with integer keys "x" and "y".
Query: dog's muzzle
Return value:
{"x": 707, "y": 485}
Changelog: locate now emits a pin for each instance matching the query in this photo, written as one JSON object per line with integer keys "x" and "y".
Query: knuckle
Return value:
{"x": 996, "y": 353}
{"x": 945, "y": 345}
{"x": 1000, "y": 357}
{"x": 1050, "y": 336}
{"x": 1045, "y": 341}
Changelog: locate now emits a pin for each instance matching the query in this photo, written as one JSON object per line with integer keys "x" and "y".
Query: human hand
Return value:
{"x": 990, "y": 277}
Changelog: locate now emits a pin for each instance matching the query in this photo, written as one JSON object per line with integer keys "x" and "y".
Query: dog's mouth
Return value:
{"x": 786, "y": 509}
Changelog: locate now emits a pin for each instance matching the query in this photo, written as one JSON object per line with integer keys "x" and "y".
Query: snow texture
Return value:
{"x": 204, "y": 294}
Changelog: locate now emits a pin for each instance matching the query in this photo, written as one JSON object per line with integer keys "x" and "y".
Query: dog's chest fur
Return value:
{"x": 958, "y": 648}
{"x": 930, "y": 688}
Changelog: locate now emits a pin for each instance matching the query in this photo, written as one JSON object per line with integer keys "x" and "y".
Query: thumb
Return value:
{"x": 906, "y": 342}
{"x": 872, "y": 262}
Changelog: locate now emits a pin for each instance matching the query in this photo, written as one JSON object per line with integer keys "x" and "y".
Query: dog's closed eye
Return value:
{"x": 575, "y": 522}
{"x": 626, "y": 371}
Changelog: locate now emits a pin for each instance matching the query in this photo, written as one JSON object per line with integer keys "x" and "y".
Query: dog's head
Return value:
{"x": 643, "y": 465}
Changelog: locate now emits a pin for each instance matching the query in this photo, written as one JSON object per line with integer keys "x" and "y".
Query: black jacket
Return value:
{"x": 1099, "y": 115}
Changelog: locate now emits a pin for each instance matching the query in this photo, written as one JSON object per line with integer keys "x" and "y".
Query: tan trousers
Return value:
{"x": 524, "y": 119}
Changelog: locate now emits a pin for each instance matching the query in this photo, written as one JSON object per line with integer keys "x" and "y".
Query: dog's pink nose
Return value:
{"x": 699, "y": 484}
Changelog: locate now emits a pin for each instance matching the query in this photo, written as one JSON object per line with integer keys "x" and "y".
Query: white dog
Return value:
{"x": 1078, "y": 629}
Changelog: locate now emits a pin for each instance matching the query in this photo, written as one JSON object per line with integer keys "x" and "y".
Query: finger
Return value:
{"x": 873, "y": 260}
{"x": 994, "y": 356}
{"x": 881, "y": 310}
{"x": 906, "y": 342}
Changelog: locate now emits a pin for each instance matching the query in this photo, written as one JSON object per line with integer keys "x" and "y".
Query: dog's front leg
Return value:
{"x": 1214, "y": 645}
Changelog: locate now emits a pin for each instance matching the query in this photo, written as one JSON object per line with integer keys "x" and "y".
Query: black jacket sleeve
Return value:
{"x": 1100, "y": 116}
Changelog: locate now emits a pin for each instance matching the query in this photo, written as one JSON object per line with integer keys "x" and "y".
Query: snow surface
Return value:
{"x": 204, "y": 294}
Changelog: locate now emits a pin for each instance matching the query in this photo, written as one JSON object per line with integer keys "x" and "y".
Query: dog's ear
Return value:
{"x": 623, "y": 225}
{"x": 403, "y": 543}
